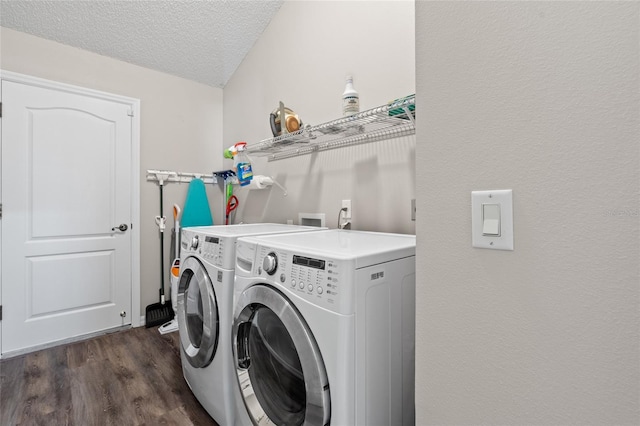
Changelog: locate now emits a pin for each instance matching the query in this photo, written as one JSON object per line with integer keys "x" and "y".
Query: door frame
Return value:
{"x": 134, "y": 108}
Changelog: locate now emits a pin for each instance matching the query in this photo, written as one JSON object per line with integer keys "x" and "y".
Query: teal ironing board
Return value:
{"x": 196, "y": 211}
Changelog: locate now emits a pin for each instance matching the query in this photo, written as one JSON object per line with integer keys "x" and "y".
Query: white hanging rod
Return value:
{"x": 163, "y": 176}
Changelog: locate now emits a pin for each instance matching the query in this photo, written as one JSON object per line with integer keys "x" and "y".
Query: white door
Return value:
{"x": 66, "y": 188}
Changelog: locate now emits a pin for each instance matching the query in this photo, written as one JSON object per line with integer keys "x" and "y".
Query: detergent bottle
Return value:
{"x": 242, "y": 165}
{"x": 350, "y": 99}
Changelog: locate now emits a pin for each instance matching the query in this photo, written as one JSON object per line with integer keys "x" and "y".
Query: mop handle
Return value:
{"x": 162, "y": 221}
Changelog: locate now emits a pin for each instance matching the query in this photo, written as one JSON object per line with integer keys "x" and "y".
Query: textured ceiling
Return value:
{"x": 204, "y": 41}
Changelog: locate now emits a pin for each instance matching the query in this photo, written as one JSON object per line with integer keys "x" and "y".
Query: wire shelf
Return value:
{"x": 384, "y": 122}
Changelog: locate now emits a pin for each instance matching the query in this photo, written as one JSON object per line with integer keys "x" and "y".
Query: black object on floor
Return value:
{"x": 158, "y": 314}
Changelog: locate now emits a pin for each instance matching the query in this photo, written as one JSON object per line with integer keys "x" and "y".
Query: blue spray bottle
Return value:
{"x": 242, "y": 165}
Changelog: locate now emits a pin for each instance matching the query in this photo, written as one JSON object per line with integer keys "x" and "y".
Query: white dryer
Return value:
{"x": 324, "y": 329}
{"x": 205, "y": 311}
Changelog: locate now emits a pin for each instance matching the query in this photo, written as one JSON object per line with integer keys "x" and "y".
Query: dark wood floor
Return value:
{"x": 132, "y": 377}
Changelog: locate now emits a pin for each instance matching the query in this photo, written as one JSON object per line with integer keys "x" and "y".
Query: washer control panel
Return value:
{"x": 315, "y": 279}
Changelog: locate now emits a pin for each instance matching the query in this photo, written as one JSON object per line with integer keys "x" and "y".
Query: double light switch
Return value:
{"x": 492, "y": 219}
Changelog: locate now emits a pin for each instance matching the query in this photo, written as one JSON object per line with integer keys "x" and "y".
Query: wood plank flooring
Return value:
{"x": 132, "y": 377}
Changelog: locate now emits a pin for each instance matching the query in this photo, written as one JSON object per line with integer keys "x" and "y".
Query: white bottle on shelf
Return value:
{"x": 350, "y": 99}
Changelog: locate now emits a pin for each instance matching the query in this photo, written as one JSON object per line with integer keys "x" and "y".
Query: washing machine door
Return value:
{"x": 198, "y": 320}
{"x": 279, "y": 366}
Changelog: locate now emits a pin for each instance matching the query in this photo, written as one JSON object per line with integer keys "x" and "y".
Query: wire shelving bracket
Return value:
{"x": 162, "y": 176}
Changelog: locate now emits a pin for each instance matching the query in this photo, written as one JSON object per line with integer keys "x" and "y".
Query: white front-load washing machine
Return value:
{"x": 324, "y": 329}
{"x": 205, "y": 311}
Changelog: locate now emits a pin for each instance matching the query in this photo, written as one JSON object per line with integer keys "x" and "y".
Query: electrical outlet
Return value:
{"x": 346, "y": 204}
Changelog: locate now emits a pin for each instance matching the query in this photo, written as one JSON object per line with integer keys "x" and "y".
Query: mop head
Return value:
{"x": 168, "y": 327}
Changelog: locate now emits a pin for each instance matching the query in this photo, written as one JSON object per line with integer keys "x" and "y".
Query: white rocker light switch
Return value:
{"x": 492, "y": 219}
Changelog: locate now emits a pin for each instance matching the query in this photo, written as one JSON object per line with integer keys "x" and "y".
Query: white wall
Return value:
{"x": 320, "y": 43}
{"x": 178, "y": 117}
{"x": 542, "y": 98}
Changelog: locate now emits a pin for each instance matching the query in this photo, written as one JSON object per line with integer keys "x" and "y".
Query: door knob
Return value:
{"x": 123, "y": 227}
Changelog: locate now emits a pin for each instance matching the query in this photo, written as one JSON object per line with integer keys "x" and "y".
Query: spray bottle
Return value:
{"x": 242, "y": 165}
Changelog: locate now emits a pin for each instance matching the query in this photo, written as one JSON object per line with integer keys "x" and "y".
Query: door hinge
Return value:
{"x": 0, "y": 109}
{"x": 0, "y": 210}
{"x": 130, "y": 113}
{"x": 0, "y": 312}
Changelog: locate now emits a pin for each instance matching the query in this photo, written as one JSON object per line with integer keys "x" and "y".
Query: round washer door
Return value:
{"x": 198, "y": 320}
{"x": 280, "y": 370}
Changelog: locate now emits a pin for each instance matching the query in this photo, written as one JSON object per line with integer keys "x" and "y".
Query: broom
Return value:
{"x": 159, "y": 313}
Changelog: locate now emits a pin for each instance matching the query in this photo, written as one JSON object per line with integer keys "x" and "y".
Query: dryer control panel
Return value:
{"x": 319, "y": 280}
{"x": 217, "y": 250}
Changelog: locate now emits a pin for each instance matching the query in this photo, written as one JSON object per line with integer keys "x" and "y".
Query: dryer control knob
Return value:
{"x": 270, "y": 263}
{"x": 194, "y": 242}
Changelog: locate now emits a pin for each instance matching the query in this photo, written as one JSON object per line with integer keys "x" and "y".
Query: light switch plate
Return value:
{"x": 503, "y": 197}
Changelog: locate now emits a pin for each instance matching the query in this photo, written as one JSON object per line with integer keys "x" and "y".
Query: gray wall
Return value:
{"x": 302, "y": 59}
{"x": 542, "y": 98}
{"x": 178, "y": 117}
